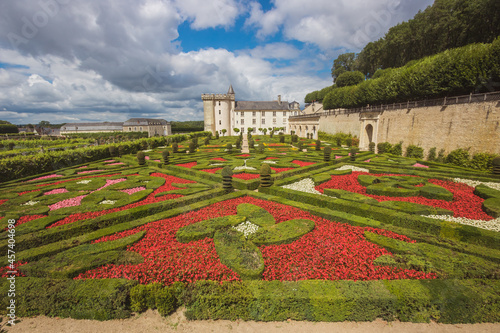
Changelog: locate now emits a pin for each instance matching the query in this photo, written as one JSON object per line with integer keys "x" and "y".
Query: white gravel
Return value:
{"x": 107, "y": 202}
{"x": 244, "y": 167}
{"x": 30, "y": 203}
{"x": 353, "y": 168}
{"x": 493, "y": 225}
{"x": 247, "y": 228}
{"x": 474, "y": 183}
{"x": 304, "y": 185}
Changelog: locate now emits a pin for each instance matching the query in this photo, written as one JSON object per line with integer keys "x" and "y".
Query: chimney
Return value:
{"x": 279, "y": 99}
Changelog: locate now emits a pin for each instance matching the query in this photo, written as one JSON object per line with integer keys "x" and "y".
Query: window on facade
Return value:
{"x": 243, "y": 121}
{"x": 220, "y": 122}
{"x": 219, "y": 103}
{"x": 242, "y": 114}
{"x": 274, "y": 113}
{"x": 219, "y": 112}
{"x": 140, "y": 129}
{"x": 254, "y": 121}
{"x": 242, "y": 129}
{"x": 130, "y": 129}
{"x": 274, "y": 121}
{"x": 263, "y": 121}
{"x": 135, "y": 129}
{"x": 254, "y": 113}
{"x": 284, "y": 120}
{"x": 284, "y": 113}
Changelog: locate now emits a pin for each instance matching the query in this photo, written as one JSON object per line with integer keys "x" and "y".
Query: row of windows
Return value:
{"x": 254, "y": 113}
{"x": 254, "y": 121}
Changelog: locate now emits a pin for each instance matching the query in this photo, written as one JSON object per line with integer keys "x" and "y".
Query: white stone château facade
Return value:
{"x": 154, "y": 127}
{"x": 222, "y": 111}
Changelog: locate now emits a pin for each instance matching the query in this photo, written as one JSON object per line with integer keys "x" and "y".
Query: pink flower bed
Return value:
{"x": 418, "y": 165}
{"x": 146, "y": 157}
{"x": 56, "y": 191}
{"x": 83, "y": 167}
{"x": 337, "y": 157}
{"x": 109, "y": 161}
{"x": 367, "y": 161}
{"x": 45, "y": 177}
{"x": 110, "y": 182}
{"x": 89, "y": 171}
{"x": 133, "y": 190}
{"x": 117, "y": 163}
{"x": 77, "y": 201}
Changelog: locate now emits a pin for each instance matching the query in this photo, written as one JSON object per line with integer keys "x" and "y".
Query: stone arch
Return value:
{"x": 369, "y": 132}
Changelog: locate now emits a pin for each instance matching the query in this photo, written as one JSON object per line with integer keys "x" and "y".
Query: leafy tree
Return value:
{"x": 224, "y": 132}
{"x": 349, "y": 79}
{"x": 343, "y": 63}
{"x": 236, "y": 130}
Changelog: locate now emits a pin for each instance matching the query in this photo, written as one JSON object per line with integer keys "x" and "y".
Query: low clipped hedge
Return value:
{"x": 102, "y": 299}
{"x": 445, "y": 301}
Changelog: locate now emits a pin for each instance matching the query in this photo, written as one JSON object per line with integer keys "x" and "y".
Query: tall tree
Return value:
{"x": 344, "y": 63}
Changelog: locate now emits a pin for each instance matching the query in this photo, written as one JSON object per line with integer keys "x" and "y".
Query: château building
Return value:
{"x": 154, "y": 127}
{"x": 224, "y": 112}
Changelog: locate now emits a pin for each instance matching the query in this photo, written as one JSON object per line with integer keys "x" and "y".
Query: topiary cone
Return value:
{"x": 227, "y": 178}
{"x": 141, "y": 158}
{"x": 265, "y": 176}
{"x": 327, "y": 152}
{"x": 496, "y": 165}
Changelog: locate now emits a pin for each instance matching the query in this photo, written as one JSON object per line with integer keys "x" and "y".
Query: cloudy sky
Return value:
{"x": 110, "y": 60}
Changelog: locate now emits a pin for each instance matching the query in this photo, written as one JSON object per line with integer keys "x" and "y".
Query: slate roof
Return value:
{"x": 105, "y": 126}
{"x": 144, "y": 122}
{"x": 274, "y": 105}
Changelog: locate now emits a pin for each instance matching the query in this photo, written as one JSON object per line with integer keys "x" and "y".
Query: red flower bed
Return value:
{"x": 332, "y": 251}
{"x": 3, "y": 201}
{"x": 188, "y": 165}
{"x": 302, "y": 163}
{"x": 21, "y": 193}
{"x": 220, "y": 159}
{"x": 4, "y": 271}
{"x": 244, "y": 155}
{"x": 272, "y": 158}
{"x": 246, "y": 176}
{"x": 275, "y": 145}
{"x": 148, "y": 200}
{"x": 464, "y": 204}
{"x": 214, "y": 170}
{"x": 28, "y": 218}
{"x": 278, "y": 170}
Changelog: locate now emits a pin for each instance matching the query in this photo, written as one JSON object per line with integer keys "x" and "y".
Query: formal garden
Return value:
{"x": 295, "y": 229}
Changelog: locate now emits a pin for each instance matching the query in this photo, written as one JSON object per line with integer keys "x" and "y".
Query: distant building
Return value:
{"x": 308, "y": 122}
{"x": 222, "y": 111}
{"x": 105, "y": 127}
{"x": 154, "y": 127}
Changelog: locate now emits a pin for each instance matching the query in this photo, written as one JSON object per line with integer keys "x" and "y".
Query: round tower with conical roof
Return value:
{"x": 217, "y": 110}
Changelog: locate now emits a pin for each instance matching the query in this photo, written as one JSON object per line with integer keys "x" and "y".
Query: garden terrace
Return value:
{"x": 346, "y": 238}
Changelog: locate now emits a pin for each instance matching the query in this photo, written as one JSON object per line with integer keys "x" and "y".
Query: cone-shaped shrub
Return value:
{"x": 299, "y": 145}
{"x": 141, "y": 158}
{"x": 227, "y": 178}
{"x": 353, "y": 154}
{"x": 175, "y": 147}
{"x": 165, "y": 154}
{"x": 265, "y": 175}
{"x": 496, "y": 165}
{"x": 192, "y": 147}
{"x": 261, "y": 148}
{"x": 318, "y": 145}
{"x": 327, "y": 153}
{"x": 372, "y": 147}
{"x": 229, "y": 148}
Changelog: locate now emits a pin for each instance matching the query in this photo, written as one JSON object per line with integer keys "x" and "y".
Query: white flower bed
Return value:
{"x": 247, "y": 228}
{"x": 474, "y": 183}
{"x": 353, "y": 168}
{"x": 305, "y": 185}
{"x": 30, "y": 203}
{"x": 269, "y": 162}
{"x": 493, "y": 225}
{"x": 216, "y": 164}
{"x": 244, "y": 167}
{"x": 107, "y": 202}
{"x": 147, "y": 151}
{"x": 86, "y": 181}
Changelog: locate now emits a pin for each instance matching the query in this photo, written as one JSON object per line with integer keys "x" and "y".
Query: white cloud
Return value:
{"x": 331, "y": 24}
{"x": 209, "y": 14}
